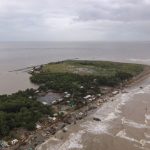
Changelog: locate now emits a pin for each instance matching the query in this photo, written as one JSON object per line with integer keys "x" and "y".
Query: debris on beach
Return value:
{"x": 96, "y": 119}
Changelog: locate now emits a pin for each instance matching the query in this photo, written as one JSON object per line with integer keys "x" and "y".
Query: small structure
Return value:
{"x": 81, "y": 87}
{"x": 60, "y": 100}
{"x": 15, "y": 141}
{"x": 37, "y": 91}
{"x": 30, "y": 97}
{"x": 115, "y": 92}
{"x": 90, "y": 99}
{"x": 54, "y": 118}
{"x": 99, "y": 95}
{"x": 53, "y": 102}
{"x": 67, "y": 95}
{"x": 31, "y": 70}
{"x": 44, "y": 103}
{"x": 55, "y": 115}
{"x": 87, "y": 97}
{"x": 93, "y": 98}
{"x": 38, "y": 126}
{"x": 80, "y": 113}
{"x": 50, "y": 118}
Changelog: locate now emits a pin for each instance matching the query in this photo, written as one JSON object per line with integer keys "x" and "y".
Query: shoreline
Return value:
{"x": 139, "y": 78}
{"x": 132, "y": 84}
{"x": 85, "y": 110}
{"x": 106, "y": 98}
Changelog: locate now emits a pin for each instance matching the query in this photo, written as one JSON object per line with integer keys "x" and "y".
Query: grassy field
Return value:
{"x": 100, "y": 68}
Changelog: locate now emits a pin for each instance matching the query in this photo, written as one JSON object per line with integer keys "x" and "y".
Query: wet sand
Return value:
{"x": 124, "y": 125}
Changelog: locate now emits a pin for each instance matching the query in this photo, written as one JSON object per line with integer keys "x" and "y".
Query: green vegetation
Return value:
{"x": 20, "y": 110}
{"x": 72, "y": 75}
{"x": 78, "y": 78}
{"x": 100, "y": 68}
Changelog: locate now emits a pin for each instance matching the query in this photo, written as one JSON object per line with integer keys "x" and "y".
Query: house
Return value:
{"x": 53, "y": 102}
{"x": 87, "y": 97}
{"x": 15, "y": 141}
{"x": 115, "y": 92}
{"x": 60, "y": 100}
{"x": 81, "y": 87}
{"x": 44, "y": 103}
{"x": 67, "y": 95}
{"x": 38, "y": 126}
{"x": 37, "y": 91}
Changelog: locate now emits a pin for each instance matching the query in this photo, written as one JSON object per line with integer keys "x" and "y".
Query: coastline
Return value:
{"x": 133, "y": 83}
{"x": 139, "y": 78}
{"x": 86, "y": 111}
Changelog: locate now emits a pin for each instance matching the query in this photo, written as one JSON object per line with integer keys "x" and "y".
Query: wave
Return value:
{"x": 131, "y": 123}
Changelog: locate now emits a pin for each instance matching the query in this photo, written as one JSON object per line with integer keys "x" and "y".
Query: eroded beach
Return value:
{"x": 125, "y": 124}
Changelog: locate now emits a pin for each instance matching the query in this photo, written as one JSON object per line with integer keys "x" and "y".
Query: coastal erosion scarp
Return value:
{"x": 124, "y": 124}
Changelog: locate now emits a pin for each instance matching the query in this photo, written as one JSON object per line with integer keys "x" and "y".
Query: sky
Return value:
{"x": 74, "y": 20}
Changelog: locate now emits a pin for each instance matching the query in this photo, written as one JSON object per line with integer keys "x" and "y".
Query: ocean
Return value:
{"x": 18, "y": 55}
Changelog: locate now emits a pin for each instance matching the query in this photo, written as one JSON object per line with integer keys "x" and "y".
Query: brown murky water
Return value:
{"x": 17, "y": 55}
{"x": 11, "y": 82}
{"x": 125, "y": 125}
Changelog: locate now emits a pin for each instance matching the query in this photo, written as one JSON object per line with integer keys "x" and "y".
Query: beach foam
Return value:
{"x": 147, "y": 135}
{"x": 110, "y": 111}
{"x": 131, "y": 123}
{"x": 95, "y": 128}
{"x": 140, "y": 60}
{"x": 123, "y": 134}
{"x": 147, "y": 117}
{"x": 139, "y": 143}
{"x": 111, "y": 116}
{"x": 73, "y": 142}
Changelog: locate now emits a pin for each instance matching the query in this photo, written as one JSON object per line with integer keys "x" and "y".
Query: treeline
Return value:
{"x": 73, "y": 82}
{"x": 20, "y": 110}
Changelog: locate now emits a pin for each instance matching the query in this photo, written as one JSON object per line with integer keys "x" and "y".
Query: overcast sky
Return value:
{"x": 74, "y": 20}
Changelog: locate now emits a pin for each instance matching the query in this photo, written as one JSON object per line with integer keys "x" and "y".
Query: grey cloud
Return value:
{"x": 125, "y": 10}
{"x": 74, "y": 19}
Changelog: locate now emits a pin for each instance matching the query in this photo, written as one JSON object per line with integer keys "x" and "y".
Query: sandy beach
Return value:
{"x": 125, "y": 124}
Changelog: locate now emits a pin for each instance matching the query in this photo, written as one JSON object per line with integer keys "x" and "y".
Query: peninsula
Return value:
{"x": 26, "y": 120}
